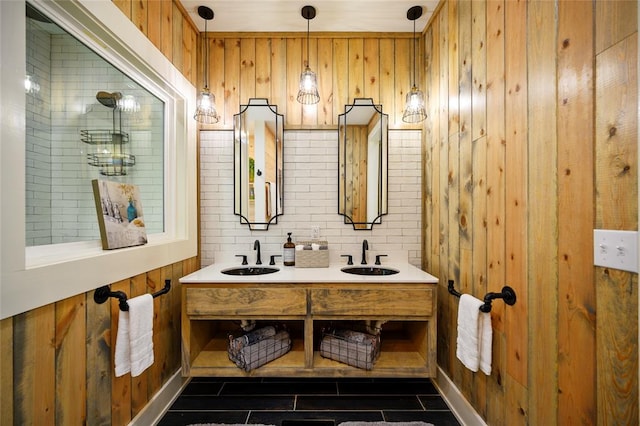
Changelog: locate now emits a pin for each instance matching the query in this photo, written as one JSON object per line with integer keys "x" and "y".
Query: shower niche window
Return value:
{"x": 87, "y": 120}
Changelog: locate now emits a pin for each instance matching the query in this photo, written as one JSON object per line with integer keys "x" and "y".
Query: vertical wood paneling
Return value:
{"x": 263, "y": 68}
{"x": 34, "y": 334}
{"x": 452, "y": 146}
{"x": 454, "y": 113}
{"x": 139, "y": 15}
{"x": 387, "y": 79}
{"x": 231, "y": 80}
{"x": 247, "y": 70}
{"x": 402, "y": 76}
{"x": 174, "y": 302}
{"x": 176, "y": 30}
{"x": 446, "y": 354}
{"x": 154, "y": 22}
{"x": 614, "y": 20}
{"x": 124, "y": 6}
{"x": 166, "y": 32}
{"x": 479, "y": 68}
{"x": 533, "y": 201}
{"x": 371, "y": 85}
{"x": 543, "y": 217}
{"x": 327, "y": 109}
{"x": 279, "y": 75}
{"x": 477, "y": 390}
{"x": 295, "y": 66}
{"x": 427, "y": 162}
{"x": 516, "y": 349}
{"x": 6, "y": 371}
{"x": 465, "y": 220}
{"x": 190, "y": 49}
{"x": 217, "y": 64}
{"x": 161, "y": 345}
{"x": 356, "y": 69}
{"x": 516, "y": 189}
{"x": 340, "y": 68}
{"x": 617, "y": 194}
{"x": 465, "y": 161}
{"x": 70, "y": 362}
{"x": 120, "y": 386}
{"x": 98, "y": 362}
{"x": 139, "y": 383}
{"x": 495, "y": 197}
{"x": 431, "y": 258}
{"x": 576, "y": 301}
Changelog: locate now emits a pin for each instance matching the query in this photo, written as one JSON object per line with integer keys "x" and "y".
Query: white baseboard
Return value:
{"x": 458, "y": 404}
{"x": 161, "y": 401}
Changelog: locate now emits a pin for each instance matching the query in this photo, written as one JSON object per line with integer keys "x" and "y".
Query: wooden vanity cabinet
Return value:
{"x": 408, "y": 349}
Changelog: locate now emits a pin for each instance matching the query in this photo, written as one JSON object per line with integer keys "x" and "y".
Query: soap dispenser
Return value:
{"x": 289, "y": 257}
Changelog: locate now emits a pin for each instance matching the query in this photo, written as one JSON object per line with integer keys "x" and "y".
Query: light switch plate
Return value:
{"x": 616, "y": 249}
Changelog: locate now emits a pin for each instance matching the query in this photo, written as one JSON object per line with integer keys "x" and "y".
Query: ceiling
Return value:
{"x": 331, "y": 15}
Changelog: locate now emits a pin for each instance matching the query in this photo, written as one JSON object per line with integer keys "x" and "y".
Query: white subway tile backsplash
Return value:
{"x": 310, "y": 197}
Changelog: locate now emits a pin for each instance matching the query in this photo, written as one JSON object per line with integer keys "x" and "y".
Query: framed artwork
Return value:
{"x": 120, "y": 215}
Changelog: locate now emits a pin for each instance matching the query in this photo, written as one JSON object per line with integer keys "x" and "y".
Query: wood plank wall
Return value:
{"x": 530, "y": 144}
{"x": 56, "y": 361}
{"x": 347, "y": 65}
{"x": 168, "y": 26}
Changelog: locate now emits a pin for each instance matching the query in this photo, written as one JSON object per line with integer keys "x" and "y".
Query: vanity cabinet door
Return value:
{"x": 393, "y": 302}
{"x": 244, "y": 301}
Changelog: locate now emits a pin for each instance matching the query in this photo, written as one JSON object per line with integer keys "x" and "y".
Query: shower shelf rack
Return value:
{"x": 112, "y": 162}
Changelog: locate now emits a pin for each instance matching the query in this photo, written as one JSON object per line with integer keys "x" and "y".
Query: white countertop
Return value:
{"x": 407, "y": 273}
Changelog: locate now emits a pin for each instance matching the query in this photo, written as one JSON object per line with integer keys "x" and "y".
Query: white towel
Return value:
{"x": 134, "y": 341}
{"x": 474, "y": 335}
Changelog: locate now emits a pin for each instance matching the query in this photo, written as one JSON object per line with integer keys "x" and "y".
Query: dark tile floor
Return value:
{"x": 314, "y": 402}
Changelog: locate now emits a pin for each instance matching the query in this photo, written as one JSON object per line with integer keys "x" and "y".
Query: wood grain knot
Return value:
{"x": 565, "y": 43}
{"x": 612, "y": 131}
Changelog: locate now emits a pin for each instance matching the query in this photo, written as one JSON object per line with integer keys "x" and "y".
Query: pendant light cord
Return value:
{"x": 206, "y": 56}
{"x": 308, "y": 42}
{"x": 413, "y": 42}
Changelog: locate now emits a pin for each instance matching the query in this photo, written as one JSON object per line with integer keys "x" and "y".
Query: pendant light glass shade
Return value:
{"x": 414, "y": 110}
{"x": 206, "y": 112}
{"x": 206, "y": 108}
{"x": 308, "y": 91}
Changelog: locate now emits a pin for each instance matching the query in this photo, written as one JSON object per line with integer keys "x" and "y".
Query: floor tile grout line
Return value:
{"x": 420, "y": 402}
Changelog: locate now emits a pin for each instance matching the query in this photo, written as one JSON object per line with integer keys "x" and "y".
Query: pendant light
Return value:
{"x": 308, "y": 93}
{"x": 414, "y": 111}
{"x": 206, "y": 112}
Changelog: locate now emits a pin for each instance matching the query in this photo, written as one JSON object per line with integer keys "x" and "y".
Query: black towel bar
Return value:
{"x": 507, "y": 294}
{"x": 103, "y": 293}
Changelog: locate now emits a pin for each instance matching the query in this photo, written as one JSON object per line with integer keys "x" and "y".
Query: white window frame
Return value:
{"x": 35, "y": 276}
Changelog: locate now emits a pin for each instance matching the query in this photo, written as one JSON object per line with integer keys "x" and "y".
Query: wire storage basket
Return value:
{"x": 354, "y": 348}
{"x": 258, "y": 347}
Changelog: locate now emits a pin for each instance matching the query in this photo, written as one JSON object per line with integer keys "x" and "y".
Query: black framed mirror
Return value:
{"x": 362, "y": 164}
{"x": 258, "y": 163}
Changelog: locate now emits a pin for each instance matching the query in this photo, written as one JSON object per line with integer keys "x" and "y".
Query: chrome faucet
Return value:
{"x": 365, "y": 247}
{"x": 256, "y": 246}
